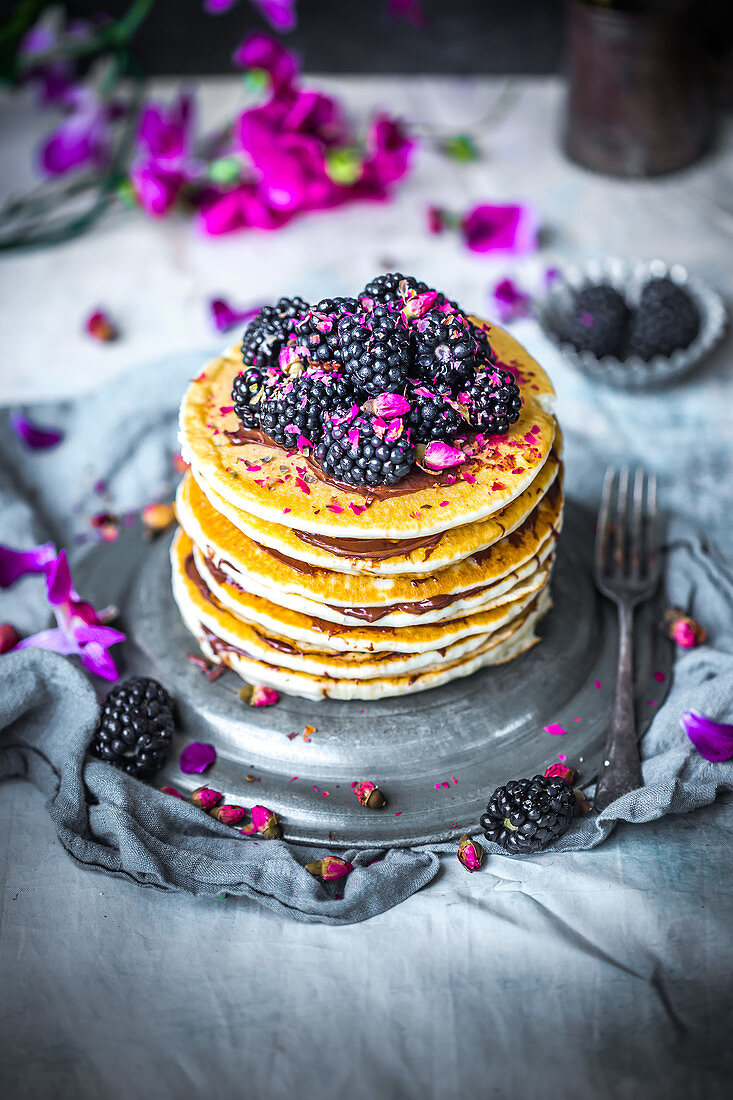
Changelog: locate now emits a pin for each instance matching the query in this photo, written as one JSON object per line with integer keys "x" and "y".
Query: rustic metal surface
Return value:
{"x": 471, "y": 735}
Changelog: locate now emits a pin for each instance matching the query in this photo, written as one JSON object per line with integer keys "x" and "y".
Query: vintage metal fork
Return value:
{"x": 627, "y": 571}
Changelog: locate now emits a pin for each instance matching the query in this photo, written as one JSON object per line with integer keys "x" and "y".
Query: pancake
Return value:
{"x": 260, "y": 570}
{"x": 251, "y": 473}
{"x": 503, "y": 646}
{"x": 247, "y": 641}
{"x": 281, "y": 630}
{"x": 420, "y": 555}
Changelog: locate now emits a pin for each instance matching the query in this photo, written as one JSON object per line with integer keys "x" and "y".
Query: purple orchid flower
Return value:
{"x": 33, "y": 435}
{"x": 164, "y": 140}
{"x": 259, "y": 51}
{"x": 81, "y": 139}
{"x": 81, "y": 630}
{"x": 225, "y": 316}
{"x": 509, "y": 228}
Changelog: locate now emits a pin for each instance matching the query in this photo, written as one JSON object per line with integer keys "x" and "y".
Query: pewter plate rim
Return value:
{"x": 479, "y": 731}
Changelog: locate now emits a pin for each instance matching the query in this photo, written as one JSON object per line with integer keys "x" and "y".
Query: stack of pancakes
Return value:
{"x": 325, "y": 590}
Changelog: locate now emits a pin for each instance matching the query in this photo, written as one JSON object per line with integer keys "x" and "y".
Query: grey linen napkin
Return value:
{"x": 117, "y": 454}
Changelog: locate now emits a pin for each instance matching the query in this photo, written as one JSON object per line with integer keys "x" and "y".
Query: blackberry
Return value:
{"x": 297, "y": 405}
{"x": 445, "y": 349}
{"x": 667, "y": 318}
{"x": 266, "y": 334}
{"x": 485, "y": 353}
{"x": 599, "y": 322}
{"x": 135, "y": 727}
{"x": 351, "y": 451}
{"x": 528, "y": 814}
{"x": 495, "y": 401}
{"x": 431, "y": 417}
{"x": 247, "y": 395}
{"x": 375, "y": 348}
{"x": 384, "y": 290}
{"x": 317, "y": 331}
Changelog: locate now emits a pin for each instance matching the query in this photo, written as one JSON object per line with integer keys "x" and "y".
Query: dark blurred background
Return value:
{"x": 474, "y": 36}
{"x": 341, "y": 36}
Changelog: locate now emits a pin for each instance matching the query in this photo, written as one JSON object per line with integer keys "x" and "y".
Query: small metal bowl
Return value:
{"x": 629, "y": 277}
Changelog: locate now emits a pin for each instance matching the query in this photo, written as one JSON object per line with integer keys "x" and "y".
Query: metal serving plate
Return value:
{"x": 629, "y": 278}
{"x": 437, "y": 755}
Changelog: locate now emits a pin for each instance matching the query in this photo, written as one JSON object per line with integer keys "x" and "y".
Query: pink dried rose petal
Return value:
{"x": 34, "y": 436}
{"x": 440, "y": 456}
{"x": 206, "y": 798}
{"x": 417, "y": 305}
{"x": 173, "y": 792}
{"x": 555, "y": 729}
{"x": 225, "y": 316}
{"x": 263, "y": 696}
{"x": 197, "y": 757}
{"x": 501, "y": 227}
{"x": 713, "y": 740}
{"x": 510, "y": 301}
{"x": 389, "y": 405}
{"x": 330, "y": 868}
{"x": 470, "y": 853}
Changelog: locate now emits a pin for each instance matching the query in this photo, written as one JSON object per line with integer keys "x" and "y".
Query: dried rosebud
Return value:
{"x": 439, "y": 456}
{"x": 173, "y": 792}
{"x": 158, "y": 517}
{"x": 389, "y": 405}
{"x": 564, "y": 771}
{"x": 470, "y": 853}
{"x": 330, "y": 868}
{"x": 682, "y": 629}
{"x": 582, "y": 805}
{"x": 265, "y": 822}
{"x": 229, "y": 815}
{"x": 206, "y": 798}
{"x": 417, "y": 305}
{"x": 370, "y": 795}
{"x": 9, "y": 637}
{"x": 100, "y": 327}
{"x": 107, "y": 525}
{"x": 263, "y": 696}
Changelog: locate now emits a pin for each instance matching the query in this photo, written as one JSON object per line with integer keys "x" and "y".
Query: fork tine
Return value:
{"x": 603, "y": 524}
{"x": 637, "y": 523}
{"x": 620, "y": 522}
{"x": 652, "y": 526}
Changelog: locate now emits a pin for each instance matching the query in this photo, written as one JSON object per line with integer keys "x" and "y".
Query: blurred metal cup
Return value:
{"x": 638, "y": 102}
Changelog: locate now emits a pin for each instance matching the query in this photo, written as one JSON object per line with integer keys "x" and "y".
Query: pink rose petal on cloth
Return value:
{"x": 713, "y": 740}
{"x": 440, "y": 456}
{"x": 391, "y": 404}
{"x": 197, "y": 757}
{"x": 172, "y": 792}
{"x": 34, "y": 436}
{"x": 555, "y": 729}
{"x": 509, "y": 228}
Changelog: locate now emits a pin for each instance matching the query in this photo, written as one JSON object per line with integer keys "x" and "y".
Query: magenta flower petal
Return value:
{"x": 15, "y": 564}
{"x": 280, "y": 14}
{"x": 226, "y": 316}
{"x": 58, "y": 579}
{"x": 439, "y": 456}
{"x": 55, "y": 639}
{"x": 713, "y": 740}
{"x": 96, "y": 659}
{"x": 508, "y": 228}
{"x": 410, "y": 10}
{"x": 33, "y": 435}
{"x": 156, "y": 189}
{"x": 197, "y": 757}
{"x": 259, "y": 51}
{"x": 511, "y": 302}
{"x": 80, "y": 139}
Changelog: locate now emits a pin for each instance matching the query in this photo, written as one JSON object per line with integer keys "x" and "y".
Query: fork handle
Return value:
{"x": 621, "y": 767}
